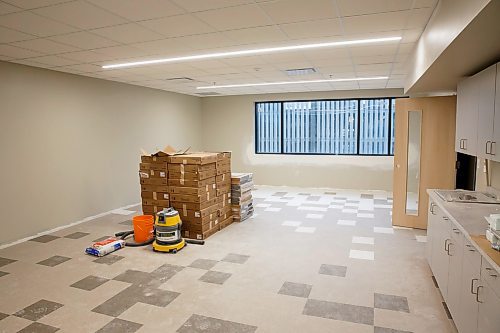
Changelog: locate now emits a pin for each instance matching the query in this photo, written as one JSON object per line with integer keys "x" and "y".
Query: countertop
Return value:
{"x": 469, "y": 218}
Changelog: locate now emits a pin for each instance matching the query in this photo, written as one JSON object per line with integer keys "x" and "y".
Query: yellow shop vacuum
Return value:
{"x": 168, "y": 236}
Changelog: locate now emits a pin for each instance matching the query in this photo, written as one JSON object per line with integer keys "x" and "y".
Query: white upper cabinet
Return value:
{"x": 467, "y": 109}
{"x": 486, "y": 81}
{"x": 495, "y": 151}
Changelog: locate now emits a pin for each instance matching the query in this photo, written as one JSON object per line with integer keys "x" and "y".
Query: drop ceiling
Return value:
{"x": 80, "y": 36}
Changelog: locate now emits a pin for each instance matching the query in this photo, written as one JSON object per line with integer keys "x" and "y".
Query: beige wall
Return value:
{"x": 70, "y": 144}
{"x": 228, "y": 123}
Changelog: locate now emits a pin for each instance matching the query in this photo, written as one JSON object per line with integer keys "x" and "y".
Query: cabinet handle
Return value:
{"x": 462, "y": 143}
{"x": 477, "y": 294}
{"x": 446, "y": 245}
{"x": 491, "y": 269}
{"x": 465, "y": 144}
{"x": 487, "y": 142}
{"x": 472, "y": 286}
{"x": 432, "y": 208}
{"x": 455, "y": 230}
{"x": 461, "y": 146}
{"x": 445, "y": 218}
{"x": 492, "y": 148}
{"x": 448, "y": 250}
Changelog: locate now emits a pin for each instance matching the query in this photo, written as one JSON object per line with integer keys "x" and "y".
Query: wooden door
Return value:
{"x": 437, "y": 154}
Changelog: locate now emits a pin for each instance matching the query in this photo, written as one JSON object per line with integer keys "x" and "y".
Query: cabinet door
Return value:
{"x": 486, "y": 111}
{"x": 440, "y": 257}
{"x": 466, "y": 321}
{"x": 456, "y": 253}
{"x": 431, "y": 230}
{"x": 467, "y": 112}
{"x": 495, "y": 151}
{"x": 489, "y": 309}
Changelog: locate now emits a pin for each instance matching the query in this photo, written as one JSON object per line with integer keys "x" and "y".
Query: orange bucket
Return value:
{"x": 143, "y": 228}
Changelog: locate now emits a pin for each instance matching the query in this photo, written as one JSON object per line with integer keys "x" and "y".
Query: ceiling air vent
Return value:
{"x": 209, "y": 93}
{"x": 181, "y": 79}
{"x": 300, "y": 71}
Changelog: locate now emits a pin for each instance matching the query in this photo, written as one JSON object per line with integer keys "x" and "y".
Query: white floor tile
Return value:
{"x": 314, "y": 216}
{"x": 358, "y": 254}
{"x": 291, "y": 223}
{"x": 272, "y": 209}
{"x": 401, "y": 228}
{"x": 421, "y": 239}
{"x": 351, "y": 204}
{"x": 382, "y": 230}
{"x": 313, "y": 209}
{"x": 363, "y": 240}
{"x": 366, "y": 215}
{"x": 261, "y": 205}
{"x": 346, "y": 222}
{"x": 350, "y": 211}
{"x": 383, "y": 206}
{"x": 307, "y": 230}
{"x": 336, "y": 206}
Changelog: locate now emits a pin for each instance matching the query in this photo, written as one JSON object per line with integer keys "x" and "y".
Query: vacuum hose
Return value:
{"x": 125, "y": 234}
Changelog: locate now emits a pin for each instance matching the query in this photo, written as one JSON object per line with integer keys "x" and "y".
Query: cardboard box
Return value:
{"x": 224, "y": 169}
{"x": 153, "y": 166}
{"x": 152, "y": 202}
{"x": 152, "y": 210}
{"x": 223, "y": 201}
{"x": 224, "y": 155}
{"x": 145, "y": 174}
{"x": 154, "y": 188}
{"x": 184, "y": 206}
{"x": 206, "y": 196}
{"x": 153, "y": 181}
{"x": 191, "y": 190}
{"x": 193, "y": 168}
{"x": 190, "y": 183}
{"x": 224, "y": 223}
{"x": 155, "y": 195}
{"x": 224, "y": 210}
{"x": 200, "y": 235}
{"x": 192, "y": 175}
{"x": 190, "y": 214}
{"x": 194, "y": 158}
{"x": 200, "y": 227}
{"x": 241, "y": 178}
{"x": 201, "y": 219}
{"x": 224, "y": 163}
{"x": 224, "y": 190}
{"x": 224, "y": 178}
{"x": 154, "y": 159}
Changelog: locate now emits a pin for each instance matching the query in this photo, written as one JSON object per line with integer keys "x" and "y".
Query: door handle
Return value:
{"x": 472, "y": 286}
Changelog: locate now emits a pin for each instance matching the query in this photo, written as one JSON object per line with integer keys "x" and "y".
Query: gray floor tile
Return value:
{"x": 330, "y": 193}
{"x": 100, "y": 239}
{"x": 313, "y": 198}
{"x": 38, "y": 310}
{"x": 77, "y": 235}
{"x": 38, "y": 328}
{"x": 236, "y": 258}
{"x": 391, "y": 302}
{"x": 215, "y": 277}
{"x": 133, "y": 276}
{"x": 3, "y": 315}
{"x": 367, "y": 196}
{"x": 333, "y": 270}
{"x": 120, "y": 326}
{"x": 295, "y": 289}
{"x": 44, "y": 238}
{"x": 308, "y": 194}
{"x": 280, "y": 194}
{"x": 339, "y": 311}
{"x": 388, "y": 330}
{"x": 89, "y": 283}
{"x": 6, "y": 261}
{"x": 202, "y": 324}
{"x": 109, "y": 259}
{"x": 3, "y": 273}
{"x": 126, "y": 222}
{"x": 203, "y": 263}
{"x": 380, "y": 202}
{"x": 53, "y": 261}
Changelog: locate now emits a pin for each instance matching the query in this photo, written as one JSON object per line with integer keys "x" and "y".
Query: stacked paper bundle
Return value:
{"x": 241, "y": 196}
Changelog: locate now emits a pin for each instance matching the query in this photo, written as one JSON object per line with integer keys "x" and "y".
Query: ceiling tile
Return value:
{"x": 34, "y": 24}
{"x": 256, "y": 35}
{"x": 88, "y": 56}
{"x": 376, "y": 22}
{"x": 9, "y": 35}
{"x": 245, "y": 61}
{"x": 164, "y": 47}
{"x": 5, "y": 8}
{"x": 425, "y": 3}
{"x": 418, "y": 18}
{"x": 374, "y": 50}
{"x": 378, "y": 59}
{"x": 288, "y": 11}
{"x": 86, "y": 68}
{"x": 235, "y": 17}
{"x": 180, "y": 25}
{"x": 54, "y": 61}
{"x": 80, "y": 14}
{"x": 128, "y": 33}
{"x": 383, "y": 68}
{"x": 145, "y": 10}
{"x": 362, "y": 7}
{"x": 206, "y": 42}
{"x": 31, "y": 4}
{"x": 197, "y": 5}
{"x": 122, "y": 52}
{"x": 45, "y": 46}
{"x": 308, "y": 29}
{"x": 411, "y": 35}
{"x": 17, "y": 52}
{"x": 84, "y": 40}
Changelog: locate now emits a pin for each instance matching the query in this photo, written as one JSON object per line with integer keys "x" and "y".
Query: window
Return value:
{"x": 339, "y": 127}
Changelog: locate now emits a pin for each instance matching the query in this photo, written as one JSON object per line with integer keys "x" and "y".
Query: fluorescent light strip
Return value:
{"x": 251, "y": 52}
{"x": 279, "y": 83}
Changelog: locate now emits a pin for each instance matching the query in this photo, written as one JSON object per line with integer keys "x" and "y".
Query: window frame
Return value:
{"x": 358, "y": 125}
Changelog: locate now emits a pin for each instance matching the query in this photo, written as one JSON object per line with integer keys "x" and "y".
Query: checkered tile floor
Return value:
{"x": 307, "y": 261}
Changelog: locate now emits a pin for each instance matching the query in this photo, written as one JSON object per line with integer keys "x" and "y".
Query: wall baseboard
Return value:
{"x": 87, "y": 219}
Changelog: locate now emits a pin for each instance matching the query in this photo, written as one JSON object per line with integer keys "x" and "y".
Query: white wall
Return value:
{"x": 70, "y": 144}
{"x": 228, "y": 124}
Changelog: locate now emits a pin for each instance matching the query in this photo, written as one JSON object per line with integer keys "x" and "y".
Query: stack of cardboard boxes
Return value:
{"x": 223, "y": 186}
{"x": 153, "y": 179}
{"x": 241, "y": 196}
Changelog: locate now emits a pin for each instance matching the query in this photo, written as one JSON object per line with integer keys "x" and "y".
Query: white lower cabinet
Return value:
{"x": 469, "y": 285}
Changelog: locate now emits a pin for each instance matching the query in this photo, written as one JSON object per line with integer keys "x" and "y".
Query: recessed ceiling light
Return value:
{"x": 279, "y": 83}
{"x": 252, "y": 51}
